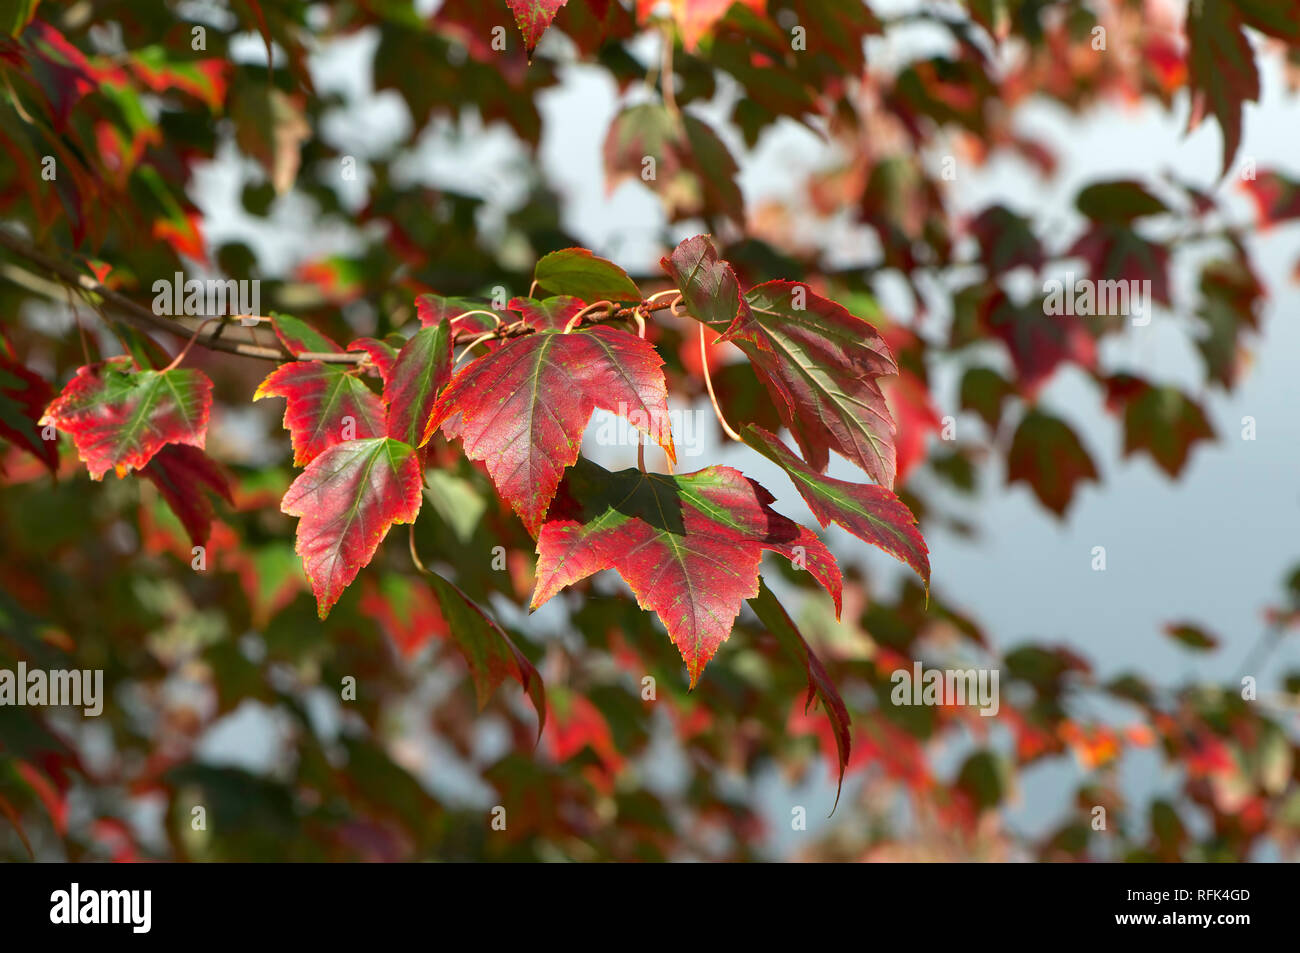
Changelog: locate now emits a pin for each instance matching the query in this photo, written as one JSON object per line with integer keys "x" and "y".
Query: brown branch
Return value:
{"x": 144, "y": 319}
{"x": 135, "y": 314}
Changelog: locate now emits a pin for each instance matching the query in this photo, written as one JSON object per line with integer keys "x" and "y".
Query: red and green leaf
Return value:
{"x": 694, "y": 173}
{"x": 299, "y": 337}
{"x": 119, "y": 417}
{"x": 689, "y": 546}
{"x": 772, "y": 614}
{"x": 382, "y": 355}
{"x": 820, "y": 363}
{"x": 533, "y": 17}
{"x": 1222, "y": 74}
{"x": 347, "y": 499}
{"x": 463, "y": 314}
{"x": 490, "y": 653}
{"x": 422, "y": 370}
{"x": 1162, "y": 421}
{"x": 871, "y": 513}
{"x": 522, "y": 409}
{"x": 547, "y": 314}
{"x": 325, "y": 404}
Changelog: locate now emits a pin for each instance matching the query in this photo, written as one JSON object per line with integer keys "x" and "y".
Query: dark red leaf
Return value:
{"x": 1046, "y": 454}
{"x": 182, "y": 474}
{"x": 23, "y": 398}
{"x": 871, "y": 513}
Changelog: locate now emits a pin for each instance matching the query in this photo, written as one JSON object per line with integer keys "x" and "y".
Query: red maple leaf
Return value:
{"x": 820, "y": 363}
{"x": 325, "y": 404}
{"x": 181, "y": 474}
{"x": 522, "y": 408}
{"x": 119, "y": 417}
{"x": 347, "y": 499}
{"x": 689, "y": 545}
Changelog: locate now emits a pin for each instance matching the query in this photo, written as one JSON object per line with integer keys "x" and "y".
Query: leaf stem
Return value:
{"x": 188, "y": 344}
{"x": 708, "y": 382}
{"x": 577, "y": 318}
{"x": 666, "y": 79}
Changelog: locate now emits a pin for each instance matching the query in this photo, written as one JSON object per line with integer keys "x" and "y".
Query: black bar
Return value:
{"x": 337, "y": 902}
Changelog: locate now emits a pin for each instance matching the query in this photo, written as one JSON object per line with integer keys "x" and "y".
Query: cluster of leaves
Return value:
{"x": 128, "y": 107}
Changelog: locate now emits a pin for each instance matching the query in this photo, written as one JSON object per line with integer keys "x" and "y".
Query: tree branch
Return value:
{"x": 144, "y": 319}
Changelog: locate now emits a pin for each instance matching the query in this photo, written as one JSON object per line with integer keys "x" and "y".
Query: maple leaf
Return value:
{"x": 325, "y": 404}
{"x": 462, "y": 313}
{"x": 1231, "y": 295}
{"x": 551, "y": 313}
{"x": 405, "y": 610}
{"x": 119, "y": 417}
{"x": 689, "y": 545}
{"x": 490, "y": 653}
{"x": 23, "y": 398}
{"x": 871, "y": 513}
{"x": 1047, "y": 454}
{"x": 422, "y": 370}
{"x": 533, "y": 17}
{"x": 985, "y": 391}
{"x": 1192, "y": 636}
{"x": 381, "y": 354}
{"x": 819, "y": 362}
{"x": 299, "y": 337}
{"x": 182, "y": 473}
{"x": 347, "y": 499}
{"x": 694, "y": 171}
{"x": 1160, "y": 420}
{"x": 1221, "y": 69}
{"x": 1006, "y": 240}
{"x": 1038, "y": 346}
{"x": 577, "y": 272}
{"x": 522, "y": 408}
{"x": 1116, "y": 252}
{"x": 1119, "y": 200}
{"x": 772, "y": 614}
